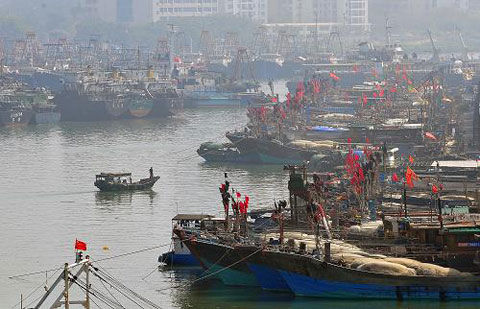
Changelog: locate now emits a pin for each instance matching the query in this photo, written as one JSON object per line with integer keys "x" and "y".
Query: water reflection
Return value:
{"x": 123, "y": 198}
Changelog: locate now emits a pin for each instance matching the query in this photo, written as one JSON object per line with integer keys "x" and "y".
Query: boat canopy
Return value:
{"x": 114, "y": 175}
{"x": 191, "y": 217}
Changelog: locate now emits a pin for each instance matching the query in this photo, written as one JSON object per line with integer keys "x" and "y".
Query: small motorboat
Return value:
{"x": 123, "y": 182}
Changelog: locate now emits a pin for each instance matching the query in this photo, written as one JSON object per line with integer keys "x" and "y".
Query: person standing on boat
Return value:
{"x": 151, "y": 172}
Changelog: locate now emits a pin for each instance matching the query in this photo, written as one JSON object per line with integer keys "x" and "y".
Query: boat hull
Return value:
{"x": 13, "y": 118}
{"x": 224, "y": 262}
{"x": 310, "y": 277}
{"x": 174, "y": 259}
{"x": 306, "y": 286}
{"x": 140, "y": 108}
{"x": 76, "y": 107}
{"x": 144, "y": 184}
{"x": 47, "y": 117}
{"x": 269, "y": 152}
{"x": 270, "y": 279}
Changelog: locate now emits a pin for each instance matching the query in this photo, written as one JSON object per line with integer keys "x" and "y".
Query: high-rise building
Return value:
{"x": 356, "y": 15}
{"x": 253, "y": 9}
{"x": 458, "y": 4}
{"x": 352, "y": 13}
{"x": 393, "y": 7}
{"x": 184, "y": 8}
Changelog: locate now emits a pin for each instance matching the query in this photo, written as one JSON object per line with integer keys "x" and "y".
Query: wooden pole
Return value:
{"x": 65, "y": 292}
{"x": 87, "y": 280}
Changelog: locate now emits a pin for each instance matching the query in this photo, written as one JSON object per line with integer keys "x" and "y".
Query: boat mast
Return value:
{"x": 436, "y": 55}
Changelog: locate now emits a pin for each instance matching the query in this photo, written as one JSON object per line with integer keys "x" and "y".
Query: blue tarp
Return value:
{"x": 328, "y": 129}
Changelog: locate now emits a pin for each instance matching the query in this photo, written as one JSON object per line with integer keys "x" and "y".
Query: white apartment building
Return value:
{"x": 356, "y": 15}
{"x": 329, "y": 13}
{"x": 184, "y": 8}
{"x": 253, "y": 9}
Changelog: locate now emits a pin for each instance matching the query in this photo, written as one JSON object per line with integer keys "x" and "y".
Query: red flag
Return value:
{"x": 238, "y": 195}
{"x": 319, "y": 213}
{"x": 316, "y": 86}
{"x": 241, "y": 207}
{"x": 410, "y": 159}
{"x": 434, "y": 189}
{"x": 80, "y": 245}
{"x": 334, "y": 76}
{"x": 300, "y": 87}
{"x": 361, "y": 176}
{"x": 410, "y": 176}
{"x": 375, "y": 95}
{"x": 430, "y": 136}
{"x": 394, "y": 177}
{"x": 382, "y": 93}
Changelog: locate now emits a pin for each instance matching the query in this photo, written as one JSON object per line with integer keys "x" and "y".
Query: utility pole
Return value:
{"x": 66, "y": 302}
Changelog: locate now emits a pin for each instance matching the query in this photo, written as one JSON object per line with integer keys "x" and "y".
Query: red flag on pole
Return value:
{"x": 430, "y": 136}
{"x": 410, "y": 176}
{"x": 394, "y": 177}
{"x": 334, "y": 76}
{"x": 365, "y": 100}
{"x": 80, "y": 245}
{"x": 434, "y": 189}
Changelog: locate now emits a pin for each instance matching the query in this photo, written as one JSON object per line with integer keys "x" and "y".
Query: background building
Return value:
{"x": 122, "y": 11}
{"x": 253, "y": 9}
{"x": 184, "y": 8}
{"x": 339, "y": 13}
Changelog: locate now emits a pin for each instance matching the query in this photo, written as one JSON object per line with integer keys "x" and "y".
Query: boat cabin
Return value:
{"x": 197, "y": 222}
{"x": 192, "y": 224}
{"x": 114, "y": 177}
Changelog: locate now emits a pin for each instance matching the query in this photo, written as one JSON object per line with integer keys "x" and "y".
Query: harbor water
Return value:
{"x": 48, "y": 200}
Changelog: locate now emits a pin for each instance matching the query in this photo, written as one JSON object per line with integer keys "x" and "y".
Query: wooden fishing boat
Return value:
{"x": 123, "y": 182}
{"x": 309, "y": 276}
{"x": 219, "y": 259}
{"x": 192, "y": 225}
